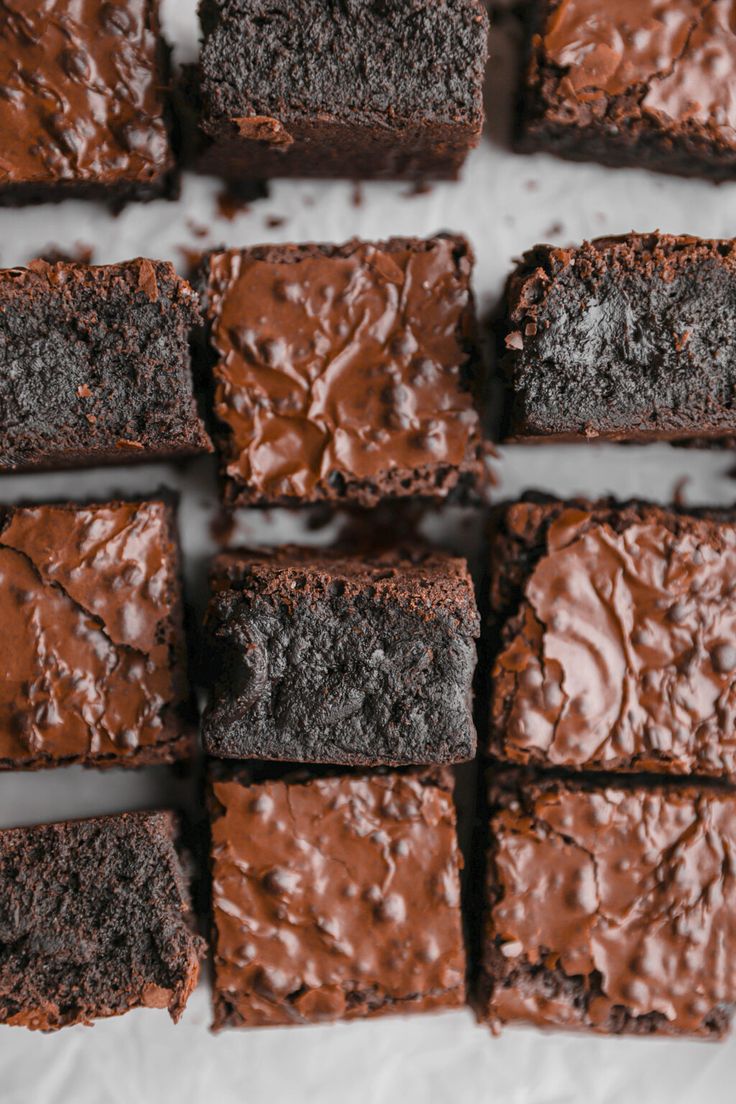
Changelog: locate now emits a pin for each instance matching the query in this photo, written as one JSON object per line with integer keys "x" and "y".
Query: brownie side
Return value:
{"x": 93, "y": 651}
{"x": 643, "y": 87}
{"x": 87, "y": 110}
{"x": 325, "y": 659}
{"x": 609, "y": 907}
{"x": 626, "y": 338}
{"x": 94, "y": 921}
{"x": 325, "y": 90}
{"x": 613, "y": 628}
{"x": 346, "y": 373}
{"x": 95, "y": 365}
{"x": 362, "y": 918}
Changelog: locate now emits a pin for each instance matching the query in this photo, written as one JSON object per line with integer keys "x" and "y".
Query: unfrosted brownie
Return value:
{"x": 625, "y": 339}
{"x": 335, "y": 898}
{"x": 345, "y": 373}
{"x": 95, "y": 365}
{"x": 352, "y": 88}
{"x": 94, "y": 921}
{"x": 610, "y": 908}
{"x": 645, "y": 84}
{"x": 92, "y": 652}
{"x": 324, "y": 657}
{"x": 616, "y": 634}
{"x": 83, "y": 105}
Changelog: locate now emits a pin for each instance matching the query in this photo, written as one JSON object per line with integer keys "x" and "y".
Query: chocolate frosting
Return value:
{"x": 80, "y": 92}
{"x": 344, "y": 369}
{"x": 679, "y": 58}
{"x": 335, "y": 898}
{"x": 630, "y": 895}
{"x": 623, "y": 653}
{"x": 88, "y": 595}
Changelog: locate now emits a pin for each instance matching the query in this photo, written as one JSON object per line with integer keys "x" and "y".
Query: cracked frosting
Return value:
{"x": 81, "y": 92}
{"x": 335, "y": 898}
{"x": 90, "y": 614}
{"x": 678, "y": 59}
{"x": 622, "y": 653}
{"x": 342, "y": 370}
{"x": 614, "y": 910}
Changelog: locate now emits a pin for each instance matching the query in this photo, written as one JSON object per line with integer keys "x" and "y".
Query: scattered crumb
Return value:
{"x": 357, "y": 196}
{"x": 531, "y": 185}
{"x": 678, "y": 491}
{"x": 222, "y": 526}
{"x": 308, "y": 200}
{"x": 80, "y": 253}
{"x": 553, "y": 230}
{"x": 418, "y": 188}
{"x": 274, "y": 221}
{"x": 235, "y": 199}
{"x": 197, "y": 229}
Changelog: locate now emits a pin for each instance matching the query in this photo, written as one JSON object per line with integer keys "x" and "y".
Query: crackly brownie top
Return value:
{"x": 422, "y": 580}
{"x": 343, "y": 366}
{"x": 676, "y": 57}
{"x": 351, "y": 64}
{"x": 620, "y": 650}
{"x": 80, "y": 92}
{"x": 87, "y": 648}
{"x": 631, "y": 891}
{"x": 334, "y": 897}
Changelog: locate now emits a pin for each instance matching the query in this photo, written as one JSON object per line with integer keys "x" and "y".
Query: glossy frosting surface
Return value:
{"x": 624, "y": 649}
{"x": 343, "y": 371}
{"x": 335, "y": 898}
{"x": 86, "y": 651}
{"x": 630, "y": 893}
{"x": 679, "y": 58}
{"x": 80, "y": 92}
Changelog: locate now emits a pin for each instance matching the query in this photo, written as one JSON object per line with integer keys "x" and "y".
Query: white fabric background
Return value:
{"x": 504, "y": 204}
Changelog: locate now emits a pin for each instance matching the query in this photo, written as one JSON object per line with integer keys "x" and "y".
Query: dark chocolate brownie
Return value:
{"x": 356, "y": 88}
{"x": 92, "y": 648}
{"x": 95, "y": 365}
{"x": 633, "y": 82}
{"x": 616, "y": 637}
{"x": 94, "y": 920}
{"x": 628, "y": 338}
{"x": 360, "y": 917}
{"x": 345, "y": 372}
{"x": 323, "y": 657}
{"x": 611, "y": 907}
{"x": 83, "y": 110}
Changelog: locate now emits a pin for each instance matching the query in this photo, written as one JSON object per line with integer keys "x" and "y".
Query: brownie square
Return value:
{"x": 83, "y": 110}
{"x": 335, "y": 898}
{"x": 94, "y": 921}
{"x": 358, "y": 89}
{"x": 323, "y": 657}
{"x": 644, "y": 84}
{"x": 624, "y": 339}
{"x": 345, "y": 373}
{"x": 92, "y": 652}
{"x": 611, "y": 908}
{"x": 616, "y": 633}
{"x": 95, "y": 365}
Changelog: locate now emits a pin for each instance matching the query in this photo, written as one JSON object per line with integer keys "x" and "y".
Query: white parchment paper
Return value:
{"x": 504, "y": 204}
